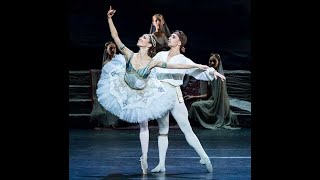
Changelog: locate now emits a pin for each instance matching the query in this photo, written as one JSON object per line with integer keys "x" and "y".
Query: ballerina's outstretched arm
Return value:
{"x": 114, "y": 34}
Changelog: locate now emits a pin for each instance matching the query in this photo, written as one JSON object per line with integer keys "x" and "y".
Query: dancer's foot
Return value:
{"x": 159, "y": 168}
{"x": 208, "y": 164}
{"x": 144, "y": 165}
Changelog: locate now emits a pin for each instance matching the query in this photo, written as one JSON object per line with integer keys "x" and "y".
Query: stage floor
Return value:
{"x": 114, "y": 154}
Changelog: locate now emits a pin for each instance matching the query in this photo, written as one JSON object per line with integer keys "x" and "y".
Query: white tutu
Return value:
{"x": 129, "y": 104}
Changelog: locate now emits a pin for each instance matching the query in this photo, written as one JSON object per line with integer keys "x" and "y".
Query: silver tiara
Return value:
{"x": 153, "y": 40}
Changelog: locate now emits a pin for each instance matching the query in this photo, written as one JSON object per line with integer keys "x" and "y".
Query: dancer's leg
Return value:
{"x": 180, "y": 114}
{"x": 163, "y": 124}
{"x": 144, "y": 141}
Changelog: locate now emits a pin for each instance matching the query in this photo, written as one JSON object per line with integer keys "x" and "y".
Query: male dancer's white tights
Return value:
{"x": 180, "y": 114}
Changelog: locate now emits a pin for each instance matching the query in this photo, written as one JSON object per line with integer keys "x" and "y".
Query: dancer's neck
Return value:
{"x": 174, "y": 51}
{"x": 143, "y": 54}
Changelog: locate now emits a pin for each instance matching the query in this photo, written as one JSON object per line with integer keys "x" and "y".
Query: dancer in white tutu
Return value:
{"x": 129, "y": 89}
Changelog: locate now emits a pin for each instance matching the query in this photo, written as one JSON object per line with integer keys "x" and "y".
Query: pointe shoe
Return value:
{"x": 159, "y": 169}
{"x": 144, "y": 165}
{"x": 208, "y": 164}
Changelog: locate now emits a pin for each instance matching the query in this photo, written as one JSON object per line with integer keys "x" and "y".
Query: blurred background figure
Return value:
{"x": 98, "y": 114}
{"x": 213, "y": 111}
{"x": 109, "y": 52}
{"x": 161, "y": 31}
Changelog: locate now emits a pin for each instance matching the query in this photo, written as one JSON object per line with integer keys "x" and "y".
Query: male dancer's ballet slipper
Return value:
{"x": 159, "y": 169}
{"x": 208, "y": 164}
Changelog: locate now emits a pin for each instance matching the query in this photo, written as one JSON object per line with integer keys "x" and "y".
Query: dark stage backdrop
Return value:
{"x": 221, "y": 26}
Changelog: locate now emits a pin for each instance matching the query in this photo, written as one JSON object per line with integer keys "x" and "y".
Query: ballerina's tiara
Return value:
{"x": 153, "y": 40}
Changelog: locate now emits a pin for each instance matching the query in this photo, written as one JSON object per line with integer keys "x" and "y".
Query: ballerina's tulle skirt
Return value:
{"x": 129, "y": 104}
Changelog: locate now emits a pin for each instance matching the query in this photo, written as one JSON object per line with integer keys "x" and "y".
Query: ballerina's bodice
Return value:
{"x": 136, "y": 79}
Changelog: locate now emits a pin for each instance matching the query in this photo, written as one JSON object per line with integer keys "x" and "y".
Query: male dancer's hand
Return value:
{"x": 216, "y": 74}
{"x": 222, "y": 77}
